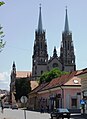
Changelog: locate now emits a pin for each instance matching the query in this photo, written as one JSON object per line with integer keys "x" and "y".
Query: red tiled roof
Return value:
{"x": 22, "y": 74}
{"x": 67, "y": 79}
{"x": 82, "y": 72}
{"x": 60, "y": 80}
{"x": 38, "y": 88}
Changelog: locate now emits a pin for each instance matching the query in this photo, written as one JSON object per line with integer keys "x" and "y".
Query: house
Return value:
{"x": 64, "y": 91}
{"x": 83, "y": 76}
{"x": 33, "y": 97}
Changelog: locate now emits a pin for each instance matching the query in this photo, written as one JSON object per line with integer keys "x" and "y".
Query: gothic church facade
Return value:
{"x": 40, "y": 60}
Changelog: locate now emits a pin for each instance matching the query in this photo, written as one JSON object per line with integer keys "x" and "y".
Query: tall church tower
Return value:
{"x": 40, "y": 55}
{"x": 12, "y": 83}
{"x": 67, "y": 56}
{"x": 13, "y": 73}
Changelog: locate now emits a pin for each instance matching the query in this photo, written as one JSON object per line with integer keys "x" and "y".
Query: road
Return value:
{"x": 19, "y": 114}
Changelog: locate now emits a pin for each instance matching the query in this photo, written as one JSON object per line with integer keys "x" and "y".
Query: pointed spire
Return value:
{"x": 66, "y": 29}
{"x": 14, "y": 67}
{"x": 40, "y": 21}
{"x": 55, "y": 52}
{"x": 13, "y": 64}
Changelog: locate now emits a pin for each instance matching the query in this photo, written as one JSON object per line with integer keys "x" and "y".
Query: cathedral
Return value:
{"x": 40, "y": 61}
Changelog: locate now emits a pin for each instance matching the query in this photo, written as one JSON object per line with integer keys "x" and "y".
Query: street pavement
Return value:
{"x": 21, "y": 114}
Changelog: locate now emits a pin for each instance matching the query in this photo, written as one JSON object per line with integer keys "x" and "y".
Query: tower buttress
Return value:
{"x": 40, "y": 55}
{"x": 67, "y": 56}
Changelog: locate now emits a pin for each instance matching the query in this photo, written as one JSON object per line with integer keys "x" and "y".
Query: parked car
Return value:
{"x": 60, "y": 113}
{"x": 14, "y": 106}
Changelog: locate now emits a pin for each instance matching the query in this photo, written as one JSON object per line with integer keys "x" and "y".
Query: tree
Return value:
{"x": 2, "y": 3}
{"x": 48, "y": 76}
{"x": 23, "y": 88}
{"x": 2, "y": 43}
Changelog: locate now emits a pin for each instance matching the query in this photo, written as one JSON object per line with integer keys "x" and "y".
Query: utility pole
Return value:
{"x": 62, "y": 96}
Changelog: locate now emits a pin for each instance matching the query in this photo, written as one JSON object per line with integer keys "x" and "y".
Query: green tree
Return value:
{"x": 23, "y": 88}
{"x": 2, "y": 3}
{"x": 2, "y": 43}
{"x": 48, "y": 76}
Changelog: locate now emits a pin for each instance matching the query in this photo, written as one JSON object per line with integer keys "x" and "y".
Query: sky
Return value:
{"x": 19, "y": 20}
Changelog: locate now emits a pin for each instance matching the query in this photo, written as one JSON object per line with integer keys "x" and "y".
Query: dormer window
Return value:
{"x": 75, "y": 81}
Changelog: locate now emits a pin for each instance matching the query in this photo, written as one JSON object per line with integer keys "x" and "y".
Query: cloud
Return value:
{"x": 4, "y": 80}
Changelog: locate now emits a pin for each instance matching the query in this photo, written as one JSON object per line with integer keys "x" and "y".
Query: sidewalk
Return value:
{"x": 4, "y": 115}
{"x": 79, "y": 116}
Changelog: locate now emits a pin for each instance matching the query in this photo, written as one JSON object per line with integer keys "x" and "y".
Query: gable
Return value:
{"x": 53, "y": 63}
{"x": 74, "y": 81}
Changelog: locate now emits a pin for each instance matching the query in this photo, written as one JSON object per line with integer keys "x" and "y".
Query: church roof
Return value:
{"x": 82, "y": 72}
{"x": 22, "y": 74}
{"x": 26, "y": 74}
{"x": 38, "y": 88}
{"x": 52, "y": 58}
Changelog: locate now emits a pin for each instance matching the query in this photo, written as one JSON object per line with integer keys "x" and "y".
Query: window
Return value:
{"x": 35, "y": 72}
{"x": 75, "y": 81}
{"x": 74, "y": 102}
{"x": 41, "y": 45}
{"x": 55, "y": 65}
{"x": 41, "y": 72}
{"x": 68, "y": 45}
{"x": 41, "y": 60}
{"x": 35, "y": 67}
{"x": 79, "y": 93}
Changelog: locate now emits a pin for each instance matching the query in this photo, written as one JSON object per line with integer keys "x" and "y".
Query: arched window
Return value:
{"x": 55, "y": 65}
{"x": 41, "y": 71}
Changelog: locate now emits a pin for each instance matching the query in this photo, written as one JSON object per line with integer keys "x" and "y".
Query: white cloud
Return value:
{"x": 4, "y": 80}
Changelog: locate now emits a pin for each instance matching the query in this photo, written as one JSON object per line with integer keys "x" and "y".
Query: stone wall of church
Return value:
{"x": 54, "y": 63}
{"x": 69, "y": 68}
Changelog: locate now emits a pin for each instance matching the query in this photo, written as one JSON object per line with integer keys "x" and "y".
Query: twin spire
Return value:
{"x": 66, "y": 28}
{"x": 40, "y": 28}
